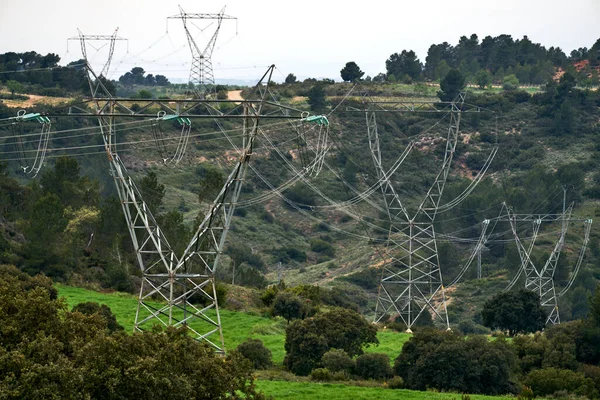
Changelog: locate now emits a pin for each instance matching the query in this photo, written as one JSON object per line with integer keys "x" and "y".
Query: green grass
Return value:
{"x": 237, "y": 326}
{"x": 336, "y": 391}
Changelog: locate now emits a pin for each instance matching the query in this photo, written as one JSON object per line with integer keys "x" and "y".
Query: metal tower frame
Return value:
{"x": 95, "y": 82}
{"x": 411, "y": 280}
{"x": 177, "y": 290}
{"x": 201, "y": 72}
{"x": 541, "y": 280}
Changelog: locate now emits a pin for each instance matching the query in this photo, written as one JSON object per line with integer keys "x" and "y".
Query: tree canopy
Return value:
{"x": 515, "y": 312}
{"x": 351, "y": 72}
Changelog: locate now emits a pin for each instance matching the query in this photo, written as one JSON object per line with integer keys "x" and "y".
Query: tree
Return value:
{"x": 510, "y": 82}
{"x": 308, "y": 340}
{"x": 316, "y": 98}
{"x": 405, "y": 63}
{"x": 483, "y": 78}
{"x": 49, "y": 352}
{"x": 14, "y": 86}
{"x": 152, "y": 191}
{"x": 373, "y": 366}
{"x": 290, "y": 306}
{"x": 162, "y": 80}
{"x": 337, "y": 360}
{"x": 351, "y": 72}
{"x": 515, "y": 312}
{"x": 548, "y": 381}
{"x": 451, "y": 85}
{"x": 255, "y": 351}
{"x": 291, "y": 78}
{"x": 448, "y": 361}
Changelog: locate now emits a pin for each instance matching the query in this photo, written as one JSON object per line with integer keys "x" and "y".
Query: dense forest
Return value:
{"x": 302, "y": 259}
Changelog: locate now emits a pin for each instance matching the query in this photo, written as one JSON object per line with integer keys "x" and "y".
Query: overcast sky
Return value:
{"x": 308, "y": 38}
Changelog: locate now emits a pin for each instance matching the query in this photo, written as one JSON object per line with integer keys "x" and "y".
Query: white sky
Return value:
{"x": 308, "y": 38}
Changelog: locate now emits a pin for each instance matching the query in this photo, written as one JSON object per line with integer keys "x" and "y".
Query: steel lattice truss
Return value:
{"x": 540, "y": 279}
{"x": 201, "y": 72}
{"x": 411, "y": 281}
{"x": 179, "y": 290}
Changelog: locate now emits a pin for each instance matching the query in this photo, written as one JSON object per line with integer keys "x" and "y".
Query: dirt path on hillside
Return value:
{"x": 33, "y": 100}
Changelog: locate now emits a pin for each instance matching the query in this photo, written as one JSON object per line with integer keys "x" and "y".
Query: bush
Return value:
{"x": 440, "y": 360}
{"x": 322, "y": 247}
{"x": 321, "y": 374}
{"x": 337, "y": 360}
{"x": 396, "y": 383}
{"x": 308, "y": 340}
{"x": 548, "y": 381}
{"x": 469, "y": 327}
{"x": 91, "y": 308}
{"x": 289, "y": 306}
{"x": 373, "y": 366}
{"x": 255, "y": 351}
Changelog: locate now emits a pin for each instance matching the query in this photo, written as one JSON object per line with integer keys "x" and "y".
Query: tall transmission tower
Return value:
{"x": 411, "y": 280}
{"x": 178, "y": 290}
{"x": 540, "y": 279}
{"x": 96, "y": 82}
{"x": 201, "y": 72}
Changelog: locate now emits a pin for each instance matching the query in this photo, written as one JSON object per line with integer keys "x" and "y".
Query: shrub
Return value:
{"x": 526, "y": 393}
{"x": 322, "y": 247}
{"x": 469, "y": 327}
{"x": 91, "y": 308}
{"x": 396, "y": 383}
{"x": 268, "y": 295}
{"x": 255, "y": 351}
{"x": 321, "y": 374}
{"x": 548, "y": 381}
{"x": 337, "y": 360}
{"x": 373, "y": 366}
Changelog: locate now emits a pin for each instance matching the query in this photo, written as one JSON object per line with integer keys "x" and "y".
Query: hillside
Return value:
{"x": 322, "y": 243}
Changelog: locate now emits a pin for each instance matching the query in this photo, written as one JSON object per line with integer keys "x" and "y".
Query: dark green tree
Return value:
{"x": 483, "y": 78}
{"x": 373, "y": 366}
{"x": 451, "y": 85}
{"x": 255, "y": 351}
{"x": 405, "y": 63}
{"x": 316, "y": 98}
{"x": 289, "y": 306}
{"x": 308, "y": 340}
{"x": 449, "y": 362}
{"x": 351, "y": 72}
{"x": 152, "y": 191}
{"x": 291, "y": 78}
{"x": 515, "y": 312}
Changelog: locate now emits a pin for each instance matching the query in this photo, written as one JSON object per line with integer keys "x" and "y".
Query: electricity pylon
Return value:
{"x": 540, "y": 279}
{"x": 96, "y": 84}
{"x": 411, "y": 280}
{"x": 176, "y": 290}
{"x": 201, "y": 72}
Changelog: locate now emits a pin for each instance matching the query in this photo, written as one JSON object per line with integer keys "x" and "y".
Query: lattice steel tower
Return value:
{"x": 540, "y": 279}
{"x": 201, "y": 72}
{"x": 176, "y": 290}
{"x": 411, "y": 281}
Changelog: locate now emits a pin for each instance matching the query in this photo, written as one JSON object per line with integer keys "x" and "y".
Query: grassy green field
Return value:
{"x": 335, "y": 391}
{"x": 237, "y": 326}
